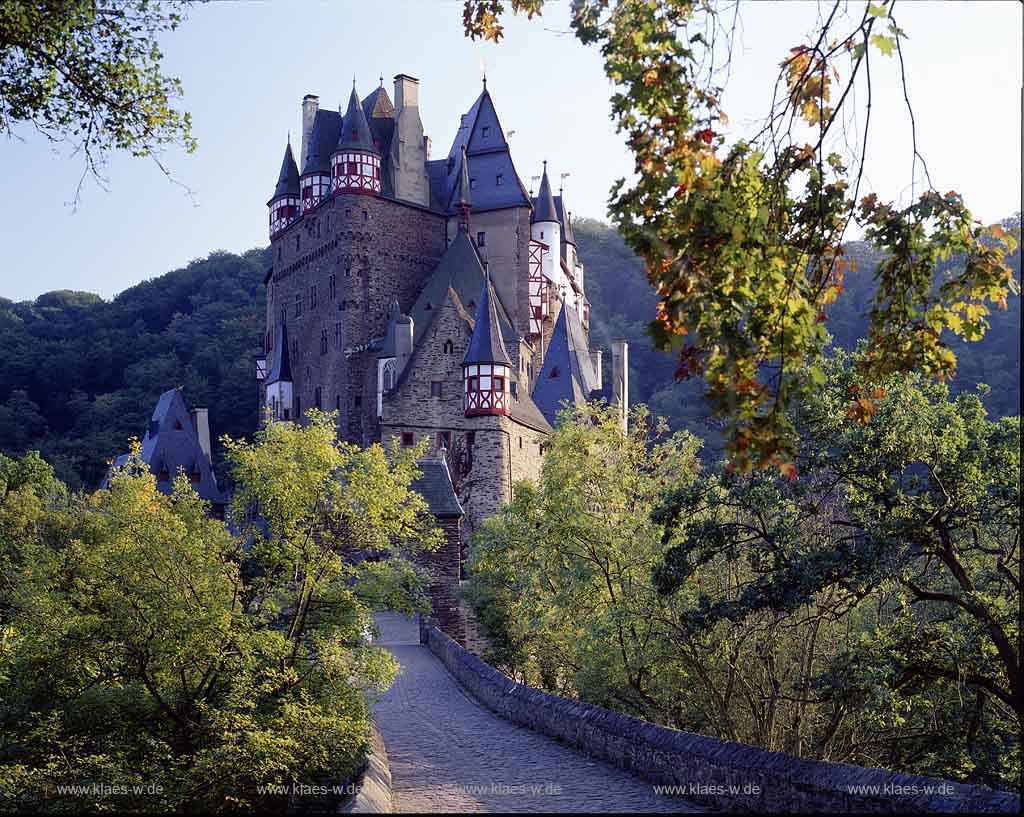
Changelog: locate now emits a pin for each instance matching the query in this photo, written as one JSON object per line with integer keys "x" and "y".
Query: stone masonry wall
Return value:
{"x": 723, "y": 775}
{"x": 378, "y": 250}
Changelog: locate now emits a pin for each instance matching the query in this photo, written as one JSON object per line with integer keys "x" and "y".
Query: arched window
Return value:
{"x": 388, "y": 376}
{"x": 449, "y": 347}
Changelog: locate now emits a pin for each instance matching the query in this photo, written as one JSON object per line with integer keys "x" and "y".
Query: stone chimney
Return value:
{"x": 201, "y": 425}
{"x": 310, "y": 105}
{"x": 403, "y": 342}
{"x": 596, "y": 359}
{"x": 407, "y": 92}
{"x": 620, "y": 379}
{"x": 409, "y": 145}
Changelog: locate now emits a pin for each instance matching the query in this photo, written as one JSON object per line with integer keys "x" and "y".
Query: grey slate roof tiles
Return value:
{"x": 288, "y": 178}
{"x": 281, "y": 363}
{"x": 171, "y": 445}
{"x": 544, "y": 204}
{"x": 487, "y": 344}
{"x": 435, "y": 485}
{"x": 322, "y": 141}
{"x": 568, "y": 371}
{"x": 355, "y": 130}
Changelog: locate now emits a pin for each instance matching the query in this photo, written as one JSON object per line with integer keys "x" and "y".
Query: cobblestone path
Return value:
{"x": 450, "y": 753}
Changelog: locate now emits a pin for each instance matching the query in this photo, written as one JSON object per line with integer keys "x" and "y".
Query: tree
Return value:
{"x": 142, "y": 643}
{"x": 560, "y": 579}
{"x": 906, "y": 529}
{"x": 87, "y": 72}
{"x": 744, "y": 242}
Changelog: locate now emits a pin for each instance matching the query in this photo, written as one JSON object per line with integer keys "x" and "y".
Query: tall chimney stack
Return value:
{"x": 407, "y": 92}
{"x": 310, "y": 105}
{"x": 620, "y": 379}
{"x": 201, "y": 425}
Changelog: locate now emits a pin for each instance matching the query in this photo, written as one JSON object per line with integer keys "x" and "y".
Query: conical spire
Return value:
{"x": 281, "y": 367}
{"x": 288, "y": 178}
{"x": 487, "y": 345}
{"x": 544, "y": 207}
{"x": 355, "y": 130}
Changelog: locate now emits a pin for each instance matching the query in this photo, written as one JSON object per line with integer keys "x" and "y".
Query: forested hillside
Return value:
{"x": 80, "y": 375}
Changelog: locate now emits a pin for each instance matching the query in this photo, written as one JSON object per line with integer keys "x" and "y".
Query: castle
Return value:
{"x": 422, "y": 297}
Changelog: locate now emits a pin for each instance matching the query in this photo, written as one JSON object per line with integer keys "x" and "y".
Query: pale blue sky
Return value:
{"x": 246, "y": 65}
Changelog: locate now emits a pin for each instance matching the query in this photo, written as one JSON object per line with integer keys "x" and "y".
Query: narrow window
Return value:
{"x": 485, "y": 131}
{"x": 407, "y": 438}
{"x": 481, "y": 239}
{"x": 472, "y": 184}
{"x": 499, "y": 179}
{"x": 449, "y": 347}
{"x": 298, "y": 304}
{"x": 358, "y": 400}
{"x": 332, "y": 286}
{"x": 297, "y": 242}
{"x": 323, "y": 341}
{"x": 317, "y": 397}
{"x": 435, "y": 388}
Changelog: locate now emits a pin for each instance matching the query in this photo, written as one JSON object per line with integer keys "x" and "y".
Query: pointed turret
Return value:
{"x": 544, "y": 204}
{"x": 546, "y": 229}
{"x": 486, "y": 367}
{"x": 284, "y": 204}
{"x": 279, "y": 379}
{"x": 355, "y": 165}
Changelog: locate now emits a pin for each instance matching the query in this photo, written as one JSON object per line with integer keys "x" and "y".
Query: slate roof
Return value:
{"x": 378, "y": 104}
{"x": 288, "y": 178}
{"x": 481, "y": 136}
{"x": 281, "y": 365}
{"x": 355, "y": 131}
{"x": 322, "y": 142}
{"x": 435, "y": 485}
{"x": 544, "y": 204}
{"x": 487, "y": 344}
{"x": 563, "y": 217}
{"x": 387, "y": 348}
{"x": 461, "y": 269}
{"x": 171, "y": 445}
{"x": 568, "y": 371}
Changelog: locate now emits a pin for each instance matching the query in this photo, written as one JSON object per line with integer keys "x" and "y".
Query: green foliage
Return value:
{"x": 142, "y": 643}
{"x": 560, "y": 578}
{"x": 865, "y": 610}
{"x": 82, "y": 375}
{"x": 88, "y": 72}
{"x": 744, "y": 243}
{"x": 913, "y": 520}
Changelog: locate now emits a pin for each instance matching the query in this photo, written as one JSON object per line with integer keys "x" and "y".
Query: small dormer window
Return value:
{"x": 554, "y": 372}
{"x": 485, "y": 131}
{"x": 472, "y": 184}
{"x": 499, "y": 179}
{"x": 481, "y": 239}
{"x": 177, "y": 425}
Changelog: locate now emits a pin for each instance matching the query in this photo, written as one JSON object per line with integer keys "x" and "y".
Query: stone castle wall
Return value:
{"x": 723, "y": 775}
{"x": 378, "y": 250}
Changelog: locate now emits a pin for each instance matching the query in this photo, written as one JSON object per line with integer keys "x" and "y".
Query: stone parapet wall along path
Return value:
{"x": 722, "y": 775}
{"x": 449, "y": 753}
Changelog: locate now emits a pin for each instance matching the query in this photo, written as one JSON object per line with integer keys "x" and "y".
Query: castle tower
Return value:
{"x": 546, "y": 228}
{"x": 486, "y": 368}
{"x": 355, "y": 165}
{"x": 284, "y": 204}
{"x": 279, "y": 397}
{"x": 315, "y": 182}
